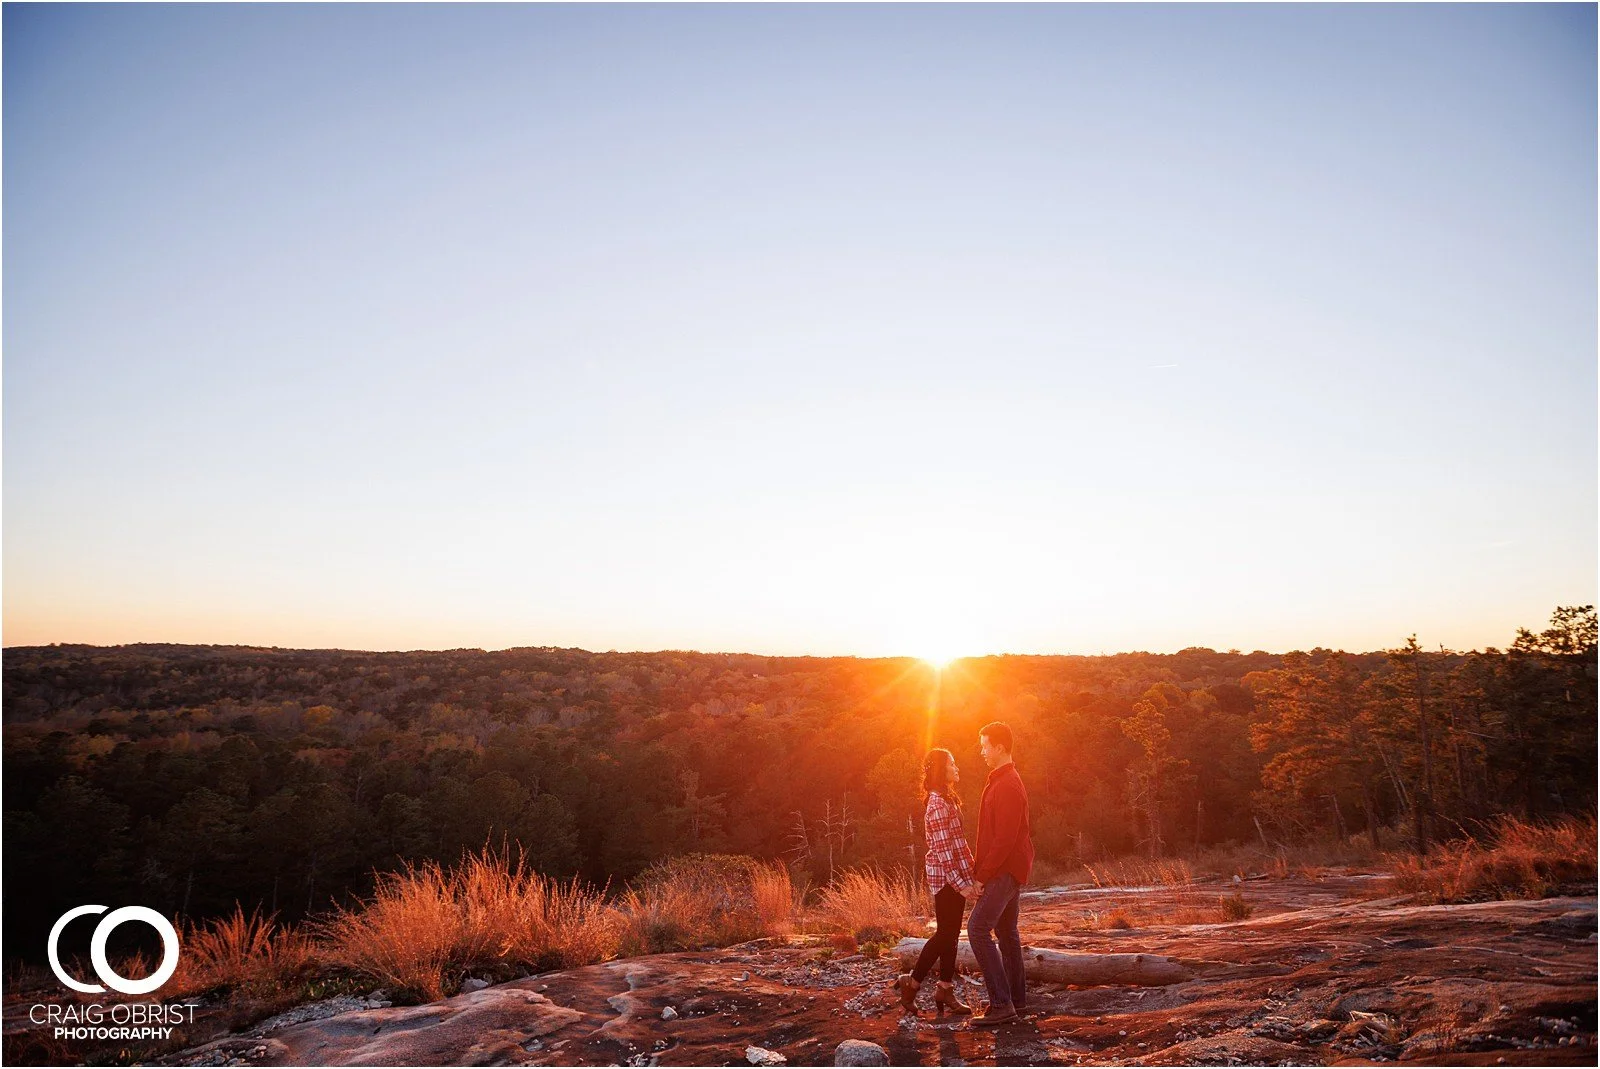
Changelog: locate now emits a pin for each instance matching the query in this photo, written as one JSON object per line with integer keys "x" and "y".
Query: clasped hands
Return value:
{"x": 973, "y": 892}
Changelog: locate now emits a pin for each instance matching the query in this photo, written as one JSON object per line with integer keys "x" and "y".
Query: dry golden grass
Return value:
{"x": 1310, "y": 860}
{"x": 425, "y": 927}
{"x": 773, "y": 893}
{"x": 1141, "y": 872}
{"x": 407, "y": 935}
{"x": 579, "y": 928}
{"x": 518, "y": 917}
{"x": 666, "y": 919}
{"x": 1522, "y": 859}
{"x": 705, "y": 900}
{"x": 1122, "y": 917}
{"x": 871, "y": 905}
{"x": 241, "y": 951}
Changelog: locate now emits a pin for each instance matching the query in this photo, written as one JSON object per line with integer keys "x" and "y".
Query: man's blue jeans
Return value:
{"x": 996, "y": 914}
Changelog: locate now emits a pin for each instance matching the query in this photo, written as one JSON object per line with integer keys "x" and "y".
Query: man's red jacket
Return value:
{"x": 1005, "y": 840}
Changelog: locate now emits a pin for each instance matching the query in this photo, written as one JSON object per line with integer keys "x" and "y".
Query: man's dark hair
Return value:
{"x": 997, "y": 733}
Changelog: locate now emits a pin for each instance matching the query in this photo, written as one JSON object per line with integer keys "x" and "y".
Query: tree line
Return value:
{"x": 192, "y": 778}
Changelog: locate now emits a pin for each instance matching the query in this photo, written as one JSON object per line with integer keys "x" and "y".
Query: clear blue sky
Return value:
{"x": 876, "y": 330}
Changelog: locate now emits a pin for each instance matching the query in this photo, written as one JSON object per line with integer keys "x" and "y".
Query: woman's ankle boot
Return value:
{"x": 908, "y": 987}
{"x": 945, "y": 997}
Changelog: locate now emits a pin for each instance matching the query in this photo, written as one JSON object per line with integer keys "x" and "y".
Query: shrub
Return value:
{"x": 1234, "y": 907}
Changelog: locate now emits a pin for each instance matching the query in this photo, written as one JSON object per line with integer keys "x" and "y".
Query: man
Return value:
{"x": 1004, "y": 861}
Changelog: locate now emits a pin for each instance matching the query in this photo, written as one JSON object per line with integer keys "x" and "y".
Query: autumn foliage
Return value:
{"x": 220, "y": 783}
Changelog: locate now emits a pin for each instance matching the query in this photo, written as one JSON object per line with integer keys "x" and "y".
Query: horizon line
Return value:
{"x": 1230, "y": 652}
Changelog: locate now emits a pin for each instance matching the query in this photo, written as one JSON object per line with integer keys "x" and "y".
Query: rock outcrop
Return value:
{"x": 1318, "y": 975}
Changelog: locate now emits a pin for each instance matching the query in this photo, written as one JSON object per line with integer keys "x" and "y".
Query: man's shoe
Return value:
{"x": 993, "y": 1016}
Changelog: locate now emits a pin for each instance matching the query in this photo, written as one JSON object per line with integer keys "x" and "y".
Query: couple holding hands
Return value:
{"x": 992, "y": 881}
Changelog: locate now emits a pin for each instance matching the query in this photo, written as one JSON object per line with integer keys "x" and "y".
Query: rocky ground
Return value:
{"x": 1321, "y": 973}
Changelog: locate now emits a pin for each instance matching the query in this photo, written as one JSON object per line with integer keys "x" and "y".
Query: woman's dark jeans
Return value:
{"x": 996, "y": 915}
{"x": 948, "y": 905}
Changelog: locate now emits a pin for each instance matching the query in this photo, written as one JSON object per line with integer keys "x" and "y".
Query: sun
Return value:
{"x": 935, "y": 645}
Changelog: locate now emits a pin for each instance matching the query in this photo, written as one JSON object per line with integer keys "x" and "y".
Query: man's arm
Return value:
{"x": 1009, "y": 824}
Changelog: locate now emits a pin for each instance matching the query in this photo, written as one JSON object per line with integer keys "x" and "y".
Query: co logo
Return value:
{"x": 97, "y": 950}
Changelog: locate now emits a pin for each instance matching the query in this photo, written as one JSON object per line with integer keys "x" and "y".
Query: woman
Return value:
{"x": 949, "y": 869}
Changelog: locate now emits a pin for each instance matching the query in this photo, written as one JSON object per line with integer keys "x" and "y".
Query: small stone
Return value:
{"x": 1123, "y": 1032}
{"x": 763, "y": 1056}
{"x": 669, "y": 1013}
{"x": 473, "y": 983}
{"x": 859, "y": 1052}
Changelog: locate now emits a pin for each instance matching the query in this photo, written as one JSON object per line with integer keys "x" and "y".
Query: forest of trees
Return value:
{"x": 191, "y": 778}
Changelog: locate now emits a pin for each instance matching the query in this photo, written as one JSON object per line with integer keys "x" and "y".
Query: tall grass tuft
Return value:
{"x": 705, "y": 900}
{"x": 773, "y": 894}
{"x": 872, "y": 905}
{"x": 578, "y": 926}
{"x": 1522, "y": 859}
{"x": 515, "y": 916}
{"x": 425, "y": 927}
{"x": 242, "y": 952}
{"x": 408, "y": 935}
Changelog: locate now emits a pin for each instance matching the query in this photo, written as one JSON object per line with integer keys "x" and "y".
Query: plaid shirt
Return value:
{"x": 949, "y": 859}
